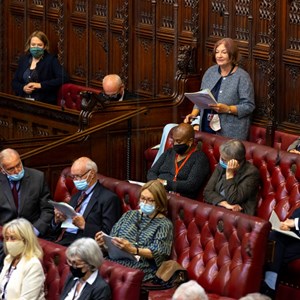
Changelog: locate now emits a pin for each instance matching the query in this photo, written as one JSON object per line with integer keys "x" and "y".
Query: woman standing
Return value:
{"x": 232, "y": 88}
{"x": 22, "y": 276}
{"x": 39, "y": 74}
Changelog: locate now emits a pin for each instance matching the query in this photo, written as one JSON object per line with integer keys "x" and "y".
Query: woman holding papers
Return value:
{"x": 287, "y": 249}
{"x": 146, "y": 233}
{"x": 84, "y": 258}
{"x": 232, "y": 88}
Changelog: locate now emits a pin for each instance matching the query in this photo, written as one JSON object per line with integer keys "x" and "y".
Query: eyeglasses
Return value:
{"x": 79, "y": 177}
{"x": 17, "y": 167}
{"x": 114, "y": 97}
{"x": 75, "y": 263}
{"x": 147, "y": 200}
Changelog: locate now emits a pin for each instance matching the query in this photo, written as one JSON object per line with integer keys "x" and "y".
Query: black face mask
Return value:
{"x": 108, "y": 98}
{"x": 77, "y": 272}
{"x": 181, "y": 148}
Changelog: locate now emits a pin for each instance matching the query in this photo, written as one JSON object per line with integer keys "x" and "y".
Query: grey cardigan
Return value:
{"x": 236, "y": 89}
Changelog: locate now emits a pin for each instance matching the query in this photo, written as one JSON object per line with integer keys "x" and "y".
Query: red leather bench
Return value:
{"x": 124, "y": 282}
{"x": 69, "y": 95}
{"x": 280, "y": 176}
{"x": 218, "y": 247}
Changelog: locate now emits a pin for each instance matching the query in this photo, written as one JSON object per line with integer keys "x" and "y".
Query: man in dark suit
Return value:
{"x": 98, "y": 209}
{"x": 286, "y": 249}
{"x": 23, "y": 193}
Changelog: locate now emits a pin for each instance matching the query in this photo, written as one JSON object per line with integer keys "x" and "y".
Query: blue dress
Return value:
{"x": 155, "y": 234}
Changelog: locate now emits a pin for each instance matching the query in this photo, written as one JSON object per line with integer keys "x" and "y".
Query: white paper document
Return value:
{"x": 202, "y": 98}
{"x": 114, "y": 252}
{"x": 68, "y": 224}
{"x": 274, "y": 220}
{"x": 136, "y": 182}
{"x": 64, "y": 208}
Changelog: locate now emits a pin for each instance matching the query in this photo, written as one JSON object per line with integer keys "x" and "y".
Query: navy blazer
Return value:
{"x": 101, "y": 213}
{"x": 34, "y": 197}
{"x": 99, "y": 290}
{"x": 50, "y": 74}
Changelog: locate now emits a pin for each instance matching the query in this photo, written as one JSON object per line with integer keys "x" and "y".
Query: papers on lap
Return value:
{"x": 274, "y": 220}
{"x": 202, "y": 98}
{"x": 114, "y": 252}
{"x": 64, "y": 208}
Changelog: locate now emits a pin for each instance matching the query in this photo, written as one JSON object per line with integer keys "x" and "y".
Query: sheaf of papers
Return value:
{"x": 114, "y": 252}
{"x": 274, "y": 220}
{"x": 68, "y": 224}
{"x": 64, "y": 208}
{"x": 202, "y": 98}
{"x": 136, "y": 182}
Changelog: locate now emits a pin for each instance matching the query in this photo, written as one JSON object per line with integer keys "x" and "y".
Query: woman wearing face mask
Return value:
{"x": 145, "y": 233}
{"x": 39, "y": 74}
{"x": 234, "y": 183}
{"x": 85, "y": 282}
{"x": 182, "y": 169}
{"x": 22, "y": 276}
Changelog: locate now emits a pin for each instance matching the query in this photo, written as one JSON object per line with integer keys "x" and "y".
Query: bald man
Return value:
{"x": 113, "y": 88}
{"x": 23, "y": 193}
{"x": 182, "y": 169}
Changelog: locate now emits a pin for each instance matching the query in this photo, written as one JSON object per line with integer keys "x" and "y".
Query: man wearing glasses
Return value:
{"x": 96, "y": 208}
{"x": 23, "y": 193}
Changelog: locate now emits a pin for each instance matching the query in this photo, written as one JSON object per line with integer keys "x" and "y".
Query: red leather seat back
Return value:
{"x": 283, "y": 140}
{"x": 55, "y": 268}
{"x": 69, "y": 95}
{"x": 222, "y": 250}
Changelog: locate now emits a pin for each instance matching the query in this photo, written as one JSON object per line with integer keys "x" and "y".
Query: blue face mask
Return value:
{"x": 81, "y": 185}
{"x": 36, "y": 52}
{"x": 147, "y": 209}
{"x": 16, "y": 177}
{"x": 222, "y": 164}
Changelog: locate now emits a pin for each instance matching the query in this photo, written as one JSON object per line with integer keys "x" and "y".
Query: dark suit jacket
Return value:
{"x": 99, "y": 290}
{"x": 101, "y": 213}
{"x": 34, "y": 197}
{"x": 50, "y": 74}
{"x": 242, "y": 189}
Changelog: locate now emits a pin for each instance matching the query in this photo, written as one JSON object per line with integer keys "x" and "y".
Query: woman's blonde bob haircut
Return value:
{"x": 23, "y": 230}
{"x": 40, "y": 35}
{"x": 159, "y": 193}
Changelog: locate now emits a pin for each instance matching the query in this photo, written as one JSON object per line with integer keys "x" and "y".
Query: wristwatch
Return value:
{"x": 229, "y": 110}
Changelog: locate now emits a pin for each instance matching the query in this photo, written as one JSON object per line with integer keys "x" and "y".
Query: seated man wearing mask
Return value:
{"x": 181, "y": 169}
{"x": 98, "y": 209}
{"x": 24, "y": 193}
{"x": 235, "y": 181}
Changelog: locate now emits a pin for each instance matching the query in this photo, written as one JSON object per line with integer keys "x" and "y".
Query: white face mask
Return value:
{"x": 15, "y": 248}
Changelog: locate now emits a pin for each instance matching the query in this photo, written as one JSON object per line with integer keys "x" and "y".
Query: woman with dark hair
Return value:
{"x": 145, "y": 233}
{"x": 234, "y": 182}
{"x": 232, "y": 88}
{"x": 39, "y": 74}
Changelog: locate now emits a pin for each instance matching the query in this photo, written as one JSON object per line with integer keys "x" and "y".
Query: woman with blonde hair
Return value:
{"x": 22, "y": 276}
{"x": 146, "y": 234}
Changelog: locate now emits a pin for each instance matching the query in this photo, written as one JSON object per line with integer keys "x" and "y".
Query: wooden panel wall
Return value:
{"x": 145, "y": 41}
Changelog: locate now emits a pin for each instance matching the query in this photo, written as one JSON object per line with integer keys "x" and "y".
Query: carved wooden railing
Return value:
{"x": 80, "y": 135}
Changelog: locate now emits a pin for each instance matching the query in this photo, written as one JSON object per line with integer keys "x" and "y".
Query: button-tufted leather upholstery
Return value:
{"x": 69, "y": 95}
{"x": 219, "y": 248}
{"x": 279, "y": 190}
